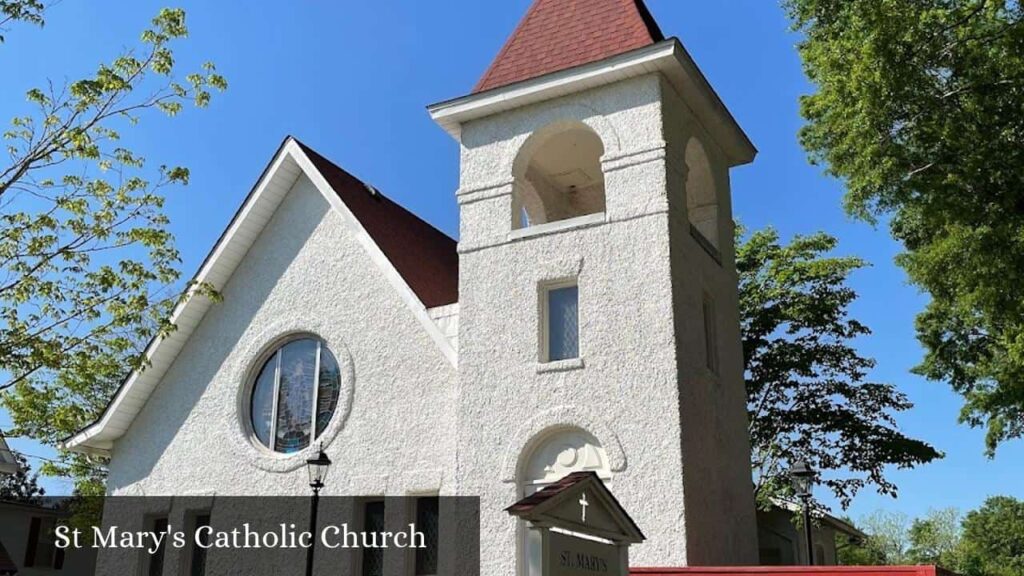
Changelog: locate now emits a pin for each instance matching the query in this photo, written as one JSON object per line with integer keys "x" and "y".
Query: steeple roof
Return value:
{"x": 560, "y": 34}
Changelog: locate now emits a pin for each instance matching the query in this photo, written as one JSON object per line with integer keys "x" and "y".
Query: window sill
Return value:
{"x": 558, "y": 226}
{"x": 706, "y": 244}
{"x": 560, "y": 365}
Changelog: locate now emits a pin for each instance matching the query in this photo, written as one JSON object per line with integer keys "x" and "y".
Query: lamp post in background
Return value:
{"x": 802, "y": 477}
{"x": 318, "y": 468}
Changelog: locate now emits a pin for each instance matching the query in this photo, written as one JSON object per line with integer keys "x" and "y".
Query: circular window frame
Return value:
{"x": 252, "y": 361}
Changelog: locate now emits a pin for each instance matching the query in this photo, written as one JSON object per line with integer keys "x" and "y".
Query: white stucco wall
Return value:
{"x": 447, "y": 319}
{"x": 306, "y": 273}
{"x": 715, "y": 447}
{"x": 673, "y": 433}
{"x": 636, "y": 389}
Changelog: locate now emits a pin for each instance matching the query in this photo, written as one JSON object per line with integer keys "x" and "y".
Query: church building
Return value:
{"x": 585, "y": 320}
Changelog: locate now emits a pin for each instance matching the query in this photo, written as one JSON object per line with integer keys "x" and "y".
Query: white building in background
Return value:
{"x": 28, "y": 547}
{"x": 8, "y": 463}
{"x": 586, "y": 319}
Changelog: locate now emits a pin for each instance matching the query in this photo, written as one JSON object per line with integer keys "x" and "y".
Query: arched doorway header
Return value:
{"x": 537, "y": 428}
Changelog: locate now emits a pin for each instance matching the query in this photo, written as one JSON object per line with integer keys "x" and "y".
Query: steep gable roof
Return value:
{"x": 560, "y": 34}
{"x": 418, "y": 261}
{"x": 426, "y": 258}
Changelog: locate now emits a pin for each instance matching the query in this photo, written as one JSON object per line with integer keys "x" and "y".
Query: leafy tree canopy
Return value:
{"x": 935, "y": 539}
{"x": 809, "y": 396}
{"x": 993, "y": 539}
{"x": 888, "y": 536}
{"x": 22, "y": 486}
{"x": 11, "y": 11}
{"x": 988, "y": 541}
{"x": 920, "y": 111}
{"x": 88, "y": 269}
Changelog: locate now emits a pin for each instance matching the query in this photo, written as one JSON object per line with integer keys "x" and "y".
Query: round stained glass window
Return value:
{"x": 295, "y": 395}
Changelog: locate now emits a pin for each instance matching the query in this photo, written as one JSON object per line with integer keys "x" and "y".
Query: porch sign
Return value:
{"x": 568, "y": 555}
{"x": 584, "y": 530}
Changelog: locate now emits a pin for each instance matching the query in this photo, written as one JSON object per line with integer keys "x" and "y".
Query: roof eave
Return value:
{"x": 668, "y": 57}
{"x": 288, "y": 163}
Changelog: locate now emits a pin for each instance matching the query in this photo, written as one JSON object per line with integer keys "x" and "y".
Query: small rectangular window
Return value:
{"x": 710, "y": 335}
{"x": 373, "y": 521}
{"x": 561, "y": 319}
{"x": 427, "y": 511}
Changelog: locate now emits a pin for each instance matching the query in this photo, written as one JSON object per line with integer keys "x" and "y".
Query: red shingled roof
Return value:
{"x": 425, "y": 257}
{"x": 560, "y": 34}
{"x": 550, "y": 491}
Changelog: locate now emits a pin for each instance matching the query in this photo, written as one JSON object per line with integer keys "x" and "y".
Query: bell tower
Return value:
{"x": 598, "y": 317}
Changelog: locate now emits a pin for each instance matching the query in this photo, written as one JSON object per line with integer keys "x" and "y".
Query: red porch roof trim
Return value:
{"x": 796, "y": 571}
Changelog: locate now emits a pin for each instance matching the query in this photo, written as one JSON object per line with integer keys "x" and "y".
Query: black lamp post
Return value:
{"x": 802, "y": 477}
{"x": 318, "y": 468}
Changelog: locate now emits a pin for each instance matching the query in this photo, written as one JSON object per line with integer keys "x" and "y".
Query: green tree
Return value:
{"x": 857, "y": 552}
{"x": 11, "y": 11}
{"x": 851, "y": 553}
{"x": 88, "y": 269}
{"x": 893, "y": 539}
{"x": 935, "y": 539}
{"x": 22, "y": 486}
{"x": 888, "y": 536}
{"x": 809, "y": 396}
{"x": 993, "y": 539}
{"x": 919, "y": 109}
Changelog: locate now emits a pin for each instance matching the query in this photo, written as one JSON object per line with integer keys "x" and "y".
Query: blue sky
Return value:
{"x": 352, "y": 80}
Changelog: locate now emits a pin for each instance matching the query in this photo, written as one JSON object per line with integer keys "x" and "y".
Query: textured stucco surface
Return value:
{"x": 674, "y": 433}
{"x": 306, "y": 273}
{"x": 721, "y": 522}
{"x": 640, "y": 284}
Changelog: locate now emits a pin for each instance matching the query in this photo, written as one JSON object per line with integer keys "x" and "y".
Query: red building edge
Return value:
{"x": 796, "y": 571}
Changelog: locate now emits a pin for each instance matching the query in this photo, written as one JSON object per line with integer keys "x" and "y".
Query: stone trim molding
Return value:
{"x": 560, "y": 417}
{"x": 243, "y": 372}
{"x": 612, "y": 162}
{"x": 484, "y": 192}
{"x": 557, "y": 269}
{"x": 585, "y": 221}
{"x": 560, "y": 366}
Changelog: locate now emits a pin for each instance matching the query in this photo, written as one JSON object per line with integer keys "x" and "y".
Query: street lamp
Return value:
{"x": 802, "y": 477}
{"x": 317, "y": 468}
